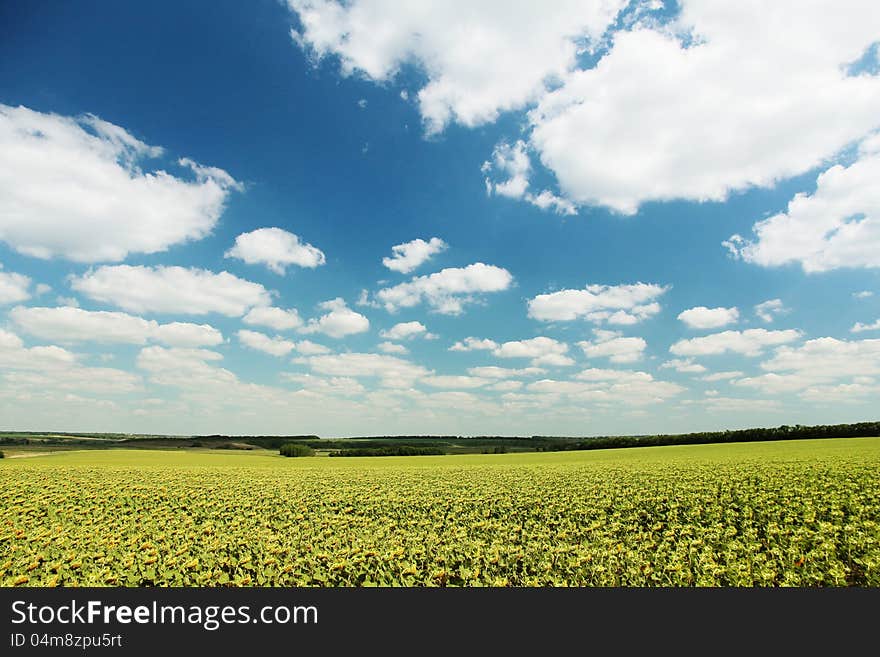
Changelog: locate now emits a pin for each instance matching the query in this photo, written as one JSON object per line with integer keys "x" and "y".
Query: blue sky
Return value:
{"x": 610, "y": 217}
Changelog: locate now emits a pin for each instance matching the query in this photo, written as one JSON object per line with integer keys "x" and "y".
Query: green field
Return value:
{"x": 796, "y": 513}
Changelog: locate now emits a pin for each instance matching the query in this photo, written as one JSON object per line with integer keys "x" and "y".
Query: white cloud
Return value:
{"x": 686, "y": 365}
{"x": 409, "y": 256}
{"x": 454, "y": 382}
{"x": 858, "y": 327}
{"x": 337, "y": 385}
{"x": 276, "y": 346}
{"x": 841, "y": 393}
{"x": 749, "y": 342}
{"x": 14, "y": 287}
{"x": 611, "y": 345}
{"x": 541, "y": 350}
{"x": 836, "y": 226}
{"x": 722, "y": 376}
{"x": 339, "y": 321}
{"x": 513, "y": 162}
{"x": 171, "y": 290}
{"x": 47, "y": 368}
{"x": 392, "y": 371}
{"x": 637, "y": 388}
{"x": 192, "y": 369}
{"x": 547, "y": 200}
{"x": 407, "y": 331}
{"x": 392, "y": 348}
{"x": 275, "y": 318}
{"x": 480, "y": 59}
{"x": 717, "y": 404}
{"x": 186, "y": 334}
{"x": 617, "y": 304}
{"x": 493, "y": 372}
{"x": 701, "y": 317}
{"x": 69, "y": 324}
{"x": 864, "y": 294}
{"x": 446, "y": 291}
{"x": 276, "y": 248}
{"x": 728, "y": 61}
{"x": 365, "y": 301}
{"x": 505, "y": 386}
{"x": 14, "y": 355}
{"x": 474, "y": 344}
{"x": 74, "y": 188}
{"x": 598, "y": 374}
{"x": 768, "y": 310}
{"x": 828, "y": 358}
{"x": 309, "y": 348}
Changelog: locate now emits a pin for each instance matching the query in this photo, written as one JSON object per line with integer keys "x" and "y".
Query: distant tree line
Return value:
{"x": 784, "y": 432}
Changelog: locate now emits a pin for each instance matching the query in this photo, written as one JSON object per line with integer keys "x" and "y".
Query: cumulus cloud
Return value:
{"x": 686, "y": 365}
{"x": 474, "y": 344}
{"x": 339, "y": 321}
{"x": 193, "y": 369}
{"x": 391, "y": 371}
{"x": 547, "y": 200}
{"x": 74, "y": 188}
{"x": 863, "y": 294}
{"x": 446, "y": 291}
{"x": 828, "y": 357}
{"x": 722, "y": 376}
{"x": 275, "y": 318}
{"x": 68, "y": 324}
{"x": 276, "y": 248}
{"x": 750, "y": 342}
{"x": 392, "y": 348}
{"x": 276, "y": 346}
{"x": 541, "y": 350}
{"x": 858, "y": 327}
{"x": 505, "y": 386}
{"x": 337, "y": 385}
{"x": 14, "y": 355}
{"x": 309, "y": 348}
{"x": 726, "y": 60}
{"x": 638, "y": 388}
{"x": 13, "y": 287}
{"x": 768, "y": 310}
{"x": 409, "y": 256}
{"x": 615, "y": 304}
{"x": 613, "y": 346}
{"x": 625, "y": 111}
{"x": 171, "y": 290}
{"x": 836, "y": 226}
{"x": 407, "y": 331}
{"x": 454, "y": 382}
{"x": 823, "y": 370}
{"x": 480, "y": 59}
{"x": 718, "y": 404}
{"x": 701, "y": 317}
{"x": 46, "y": 368}
{"x": 493, "y": 372}
{"x": 512, "y": 163}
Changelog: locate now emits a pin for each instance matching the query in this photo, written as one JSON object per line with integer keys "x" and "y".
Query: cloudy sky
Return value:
{"x": 578, "y": 217}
